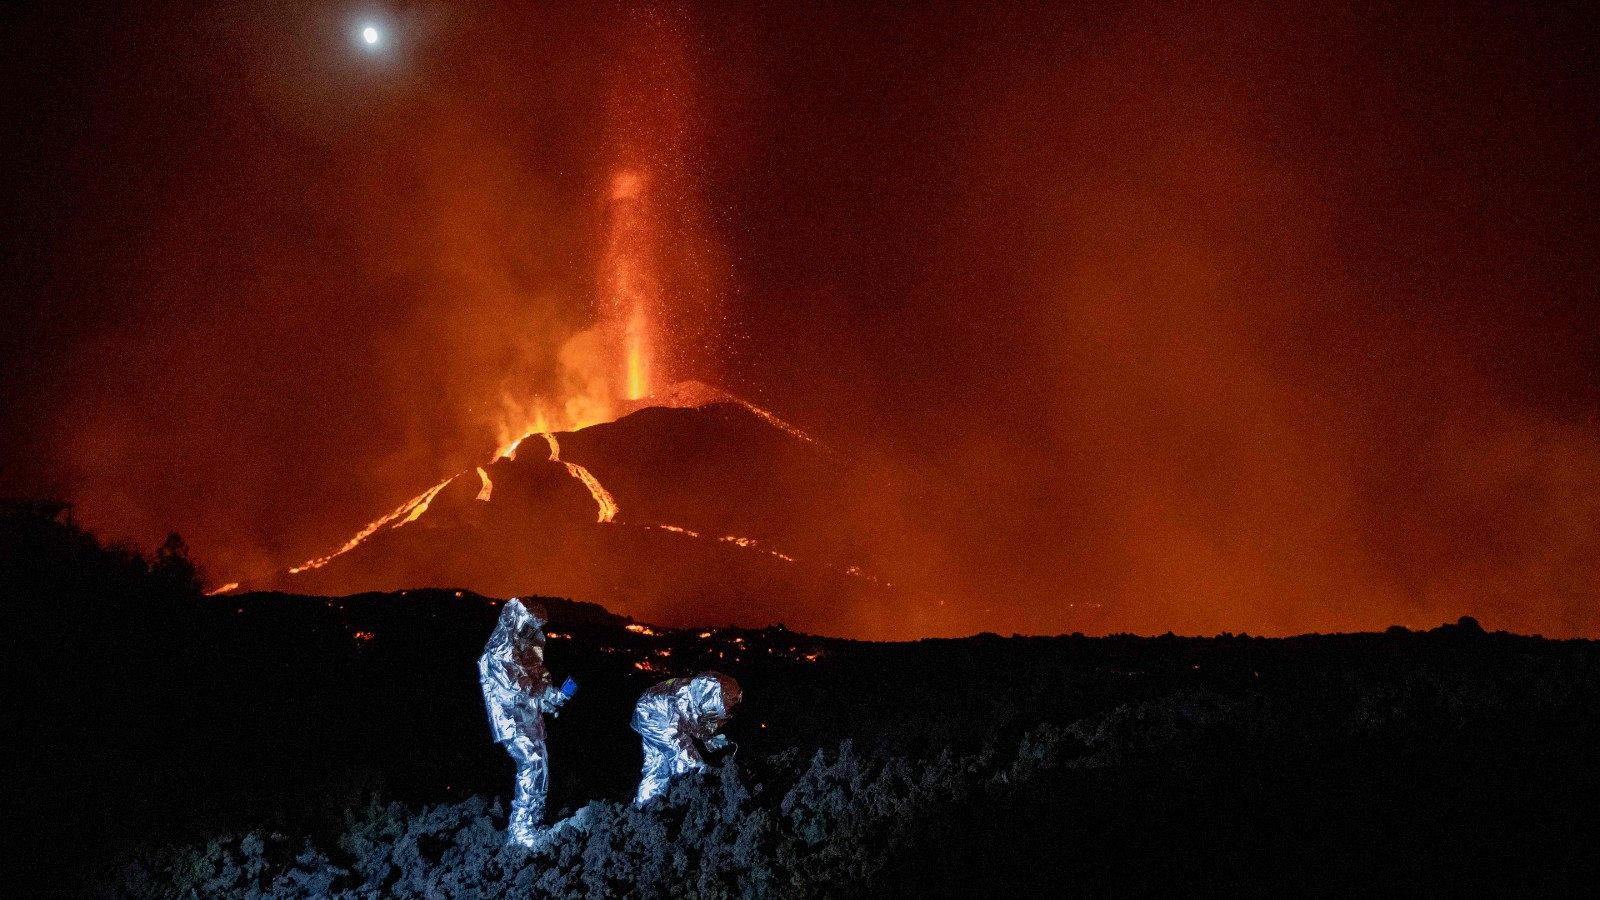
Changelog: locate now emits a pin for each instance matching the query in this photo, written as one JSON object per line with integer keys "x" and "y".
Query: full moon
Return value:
{"x": 370, "y": 35}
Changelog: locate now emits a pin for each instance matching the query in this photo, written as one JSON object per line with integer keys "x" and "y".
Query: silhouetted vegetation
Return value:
{"x": 175, "y": 745}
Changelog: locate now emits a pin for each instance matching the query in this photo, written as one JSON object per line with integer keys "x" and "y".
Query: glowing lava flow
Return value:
{"x": 488, "y": 486}
{"x": 745, "y": 543}
{"x": 778, "y": 423}
{"x": 418, "y": 509}
{"x": 509, "y": 451}
{"x": 693, "y": 394}
{"x": 753, "y": 544}
{"x": 741, "y": 542}
{"x": 232, "y": 585}
{"x": 410, "y": 509}
{"x": 602, "y": 497}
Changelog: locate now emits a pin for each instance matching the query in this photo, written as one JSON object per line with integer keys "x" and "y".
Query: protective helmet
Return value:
{"x": 715, "y": 694}
{"x": 520, "y": 612}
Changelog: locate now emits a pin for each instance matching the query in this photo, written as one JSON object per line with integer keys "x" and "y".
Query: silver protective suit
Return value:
{"x": 674, "y": 714}
{"x": 517, "y": 692}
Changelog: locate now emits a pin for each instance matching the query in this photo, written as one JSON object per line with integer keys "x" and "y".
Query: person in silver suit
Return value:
{"x": 518, "y": 692}
{"x": 672, "y": 718}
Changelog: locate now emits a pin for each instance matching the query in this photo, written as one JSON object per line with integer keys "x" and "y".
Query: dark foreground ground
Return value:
{"x": 163, "y": 744}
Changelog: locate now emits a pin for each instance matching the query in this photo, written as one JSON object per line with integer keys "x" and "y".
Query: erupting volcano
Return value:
{"x": 661, "y": 497}
{"x": 694, "y": 508}
{"x": 681, "y": 503}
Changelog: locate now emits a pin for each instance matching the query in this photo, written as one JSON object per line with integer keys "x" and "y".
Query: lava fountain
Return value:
{"x": 627, "y": 357}
{"x": 629, "y": 287}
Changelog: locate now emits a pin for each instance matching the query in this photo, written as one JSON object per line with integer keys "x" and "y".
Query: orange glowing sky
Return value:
{"x": 1222, "y": 317}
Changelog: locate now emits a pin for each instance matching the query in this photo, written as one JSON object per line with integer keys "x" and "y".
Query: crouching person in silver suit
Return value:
{"x": 671, "y": 717}
{"x": 517, "y": 692}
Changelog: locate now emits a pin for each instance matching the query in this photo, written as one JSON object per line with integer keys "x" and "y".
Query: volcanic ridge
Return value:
{"x": 693, "y": 507}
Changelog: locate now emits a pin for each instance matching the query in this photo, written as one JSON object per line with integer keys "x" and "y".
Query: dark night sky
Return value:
{"x": 1225, "y": 317}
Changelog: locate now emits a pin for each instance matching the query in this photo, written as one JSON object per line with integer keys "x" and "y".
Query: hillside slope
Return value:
{"x": 711, "y": 514}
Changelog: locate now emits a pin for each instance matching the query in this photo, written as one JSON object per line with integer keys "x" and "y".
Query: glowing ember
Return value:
{"x": 487, "y": 489}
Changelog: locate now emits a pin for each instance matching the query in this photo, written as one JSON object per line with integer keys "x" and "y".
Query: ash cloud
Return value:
{"x": 1225, "y": 318}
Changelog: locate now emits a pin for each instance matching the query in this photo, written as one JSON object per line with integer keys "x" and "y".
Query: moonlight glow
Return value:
{"x": 370, "y": 36}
